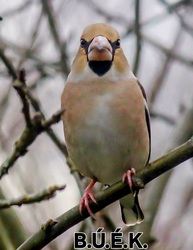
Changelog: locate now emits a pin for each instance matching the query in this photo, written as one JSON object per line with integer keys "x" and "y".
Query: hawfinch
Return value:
{"x": 106, "y": 120}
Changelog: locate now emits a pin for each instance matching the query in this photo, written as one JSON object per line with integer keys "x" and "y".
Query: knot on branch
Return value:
{"x": 48, "y": 225}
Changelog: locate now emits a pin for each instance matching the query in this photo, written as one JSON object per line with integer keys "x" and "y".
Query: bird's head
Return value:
{"x": 100, "y": 52}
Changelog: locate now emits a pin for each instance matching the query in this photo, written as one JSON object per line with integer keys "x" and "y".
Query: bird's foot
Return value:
{"x": 88, "y": 194}
{"x": 127, "y": 177}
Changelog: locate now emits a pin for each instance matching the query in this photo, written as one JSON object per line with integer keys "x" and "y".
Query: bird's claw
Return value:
{"x": 85, "y": 202}
{"x": 88, "y": 194}
{"x": 127, "y": 177}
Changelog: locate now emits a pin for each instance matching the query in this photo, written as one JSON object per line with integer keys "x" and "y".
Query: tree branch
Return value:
{"x": 32, "y": 198}
{"x": 48, "y": 9}
{"x": 38, "y": 125}
{"x": 138, "y": 37}
{"x": 175, "y": 56}
{"x": 181, "y": 132}
{"x": 8, "y": 64}
{"x": 173, "y": 8}
{"x": 53, "y": 228}
{"x": 18, "y": 87}
{"x": 36, "y": 106}
{"x": 34, "y": 102}
{"x": 157, "y": 17}
{"x": 163, "y": 72}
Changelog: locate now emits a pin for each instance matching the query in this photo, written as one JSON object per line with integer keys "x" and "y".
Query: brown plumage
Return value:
{"x": 106, "y": 122}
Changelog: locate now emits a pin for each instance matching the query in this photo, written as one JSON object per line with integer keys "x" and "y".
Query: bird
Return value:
{"x": 106, "y": 120}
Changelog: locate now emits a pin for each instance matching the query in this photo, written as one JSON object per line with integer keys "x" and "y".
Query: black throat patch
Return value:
{"x": 100, "y": 67}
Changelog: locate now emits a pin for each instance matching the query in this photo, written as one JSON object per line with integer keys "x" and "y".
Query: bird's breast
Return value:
{"x": 100, "y": 133}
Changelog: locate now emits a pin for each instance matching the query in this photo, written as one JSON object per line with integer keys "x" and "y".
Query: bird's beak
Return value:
{"x": 100, "y": 49}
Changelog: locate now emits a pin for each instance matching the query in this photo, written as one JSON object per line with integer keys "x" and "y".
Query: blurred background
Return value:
{"x": 42, "y": 37}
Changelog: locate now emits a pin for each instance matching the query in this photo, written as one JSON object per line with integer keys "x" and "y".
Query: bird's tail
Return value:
{"x": 130, "y": 209}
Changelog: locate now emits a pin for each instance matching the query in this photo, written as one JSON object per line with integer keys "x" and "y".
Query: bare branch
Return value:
{"x": 54, "y": 119}
{"x": 32, "y": 198}
{"x": 50, "y": 132}
{"x": 173, "y": 8}
{"x": 38, "y": 125}
{"x": 17, "y": 9}
{"x": 157, "y": 84}
{"x": 30, "y": 50}
{"x": 106, "y": 14}
{"x": 4, "y": 103}
{"x": 165, "y": 50}
{"x": 48, "y": 9}
{"x": 138, "y": 37}
{"x": 48, "y": 232}
{"x": 158, "y": 17}
{"x": 8, "y": 64}
{"x": 166, "y": 118}
{"x": 18, "y": 87}
{"x": 182, "y": 131}
{"x": 34, "y": 102}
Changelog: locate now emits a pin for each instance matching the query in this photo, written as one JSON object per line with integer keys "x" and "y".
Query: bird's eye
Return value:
{"x": 82, "y": 42}
{"x": 118, "y": 43}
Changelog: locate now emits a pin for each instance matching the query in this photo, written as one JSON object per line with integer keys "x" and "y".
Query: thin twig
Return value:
{"x": 165, "y": 50}
{"x": 48, "y": 9}
{"x": 54, "y": 119}
{"x": 18, "y": 87}
{"x": 38, "y": 125}
{"x": 157, "y": 18}
{"x": 168, "y": 119}
{"x": 138, "y": 37}
{"x": 32, "y": 198}
{"x": 173, "y": 8}
{"x": 182, "y": 131}
{"x": 4, "y": 103}
{"x": 163, "y": 72}
{"x": 18, "y": 49}
{"x": 18, "y": 9}
{"x": 100, "y": 10}
{"x": 34, "y": 102}
{"x": 28, "y": 51}
{"x": 8, "y": 64}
